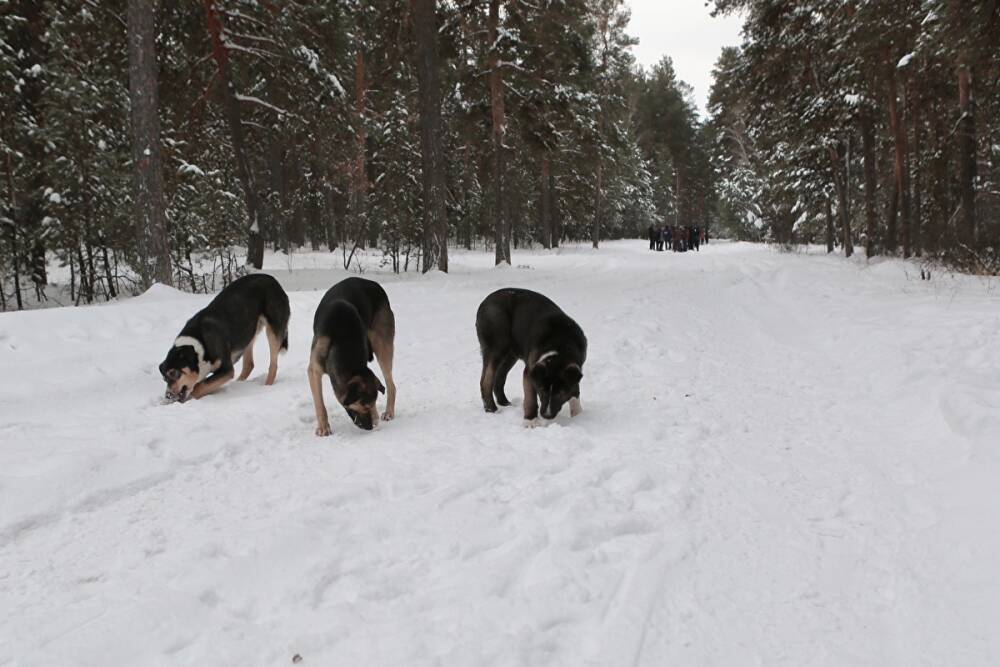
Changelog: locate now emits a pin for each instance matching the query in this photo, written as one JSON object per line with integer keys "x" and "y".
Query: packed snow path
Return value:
{"x": 783, "y": 459}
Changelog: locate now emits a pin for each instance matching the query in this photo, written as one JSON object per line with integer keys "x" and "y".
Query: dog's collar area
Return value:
{"x": 204, "y": 367}
{"x": 547, "y": 355}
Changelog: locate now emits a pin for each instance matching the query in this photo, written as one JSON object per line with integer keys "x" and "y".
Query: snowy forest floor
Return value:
{"x": 783, "y": 459}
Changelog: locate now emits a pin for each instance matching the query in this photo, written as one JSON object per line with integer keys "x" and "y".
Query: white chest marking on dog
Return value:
{"x": 550, "y": 353}
{"x": 204, "y": 368}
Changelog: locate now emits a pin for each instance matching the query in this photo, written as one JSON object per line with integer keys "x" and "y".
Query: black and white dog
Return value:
{"x": 353, "y": 322}
{"x": 520, "y": 324}
{"x": 202, "y": 357}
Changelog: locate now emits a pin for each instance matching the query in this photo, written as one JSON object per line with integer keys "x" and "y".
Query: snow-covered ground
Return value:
{"x": 783, "y": 459}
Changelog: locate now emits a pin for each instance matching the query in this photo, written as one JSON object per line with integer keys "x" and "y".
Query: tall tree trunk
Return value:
{"x": 545, "y": 201}
{"x": 11, "y": 200}
{"x": 677, "y": 196}
{"x": 959, "y": 13}
{"x": 231, "y": 107}
{"x": 937, "y": 233}
{"x": 88, "y": 215}
{"x": 149, "y": 214}
{"x": 916, "y": 229}
{"x": 86, "y": 281}
{"x": 841, "y": 188}
{"x": 501, "y": 236}
{"x": 32, "y": 211}
{"x": 358, "y": 201}
{"x": 272, "y": 210}
{"x": 868, "y": 156}
{"x": 829, "y": 227}
{"x": 899, "y": 165}
{"x": 553, "y": 210}
{"x": 967, "y": 155}
{"x": 466, "y": 198}
{"x": 595, "y": 229}
{"x": 432, "y": 167}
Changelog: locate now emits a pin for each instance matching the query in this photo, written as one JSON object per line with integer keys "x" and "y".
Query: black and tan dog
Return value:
{"x": 520, "y": 324}
{"x": 202, "y": 357}
{"x": 353, "y": 322}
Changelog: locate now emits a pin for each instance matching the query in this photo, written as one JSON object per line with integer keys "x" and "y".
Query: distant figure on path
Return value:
{"x": 696, "y": 238}
{"x": 653, "y": 235}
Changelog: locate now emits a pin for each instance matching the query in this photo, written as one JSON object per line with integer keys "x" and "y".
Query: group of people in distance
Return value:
{"x": 676, "y": 238}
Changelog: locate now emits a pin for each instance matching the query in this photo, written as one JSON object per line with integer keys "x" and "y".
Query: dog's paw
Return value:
{"x": 323, "y": 430}
{"x": 531, "y": 423}
{"x": 388, "y": 416}
{"x": 490, "y": 408}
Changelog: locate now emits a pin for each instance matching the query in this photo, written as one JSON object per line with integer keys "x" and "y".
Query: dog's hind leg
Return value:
{"x": 248, "y": 353}
{"x": 274, "y": 344}
{"x": 382, "y": 337}
{"x": 500, "y": 379}
{"x": 486, "y": 383}
{"x": 247, "y": 362}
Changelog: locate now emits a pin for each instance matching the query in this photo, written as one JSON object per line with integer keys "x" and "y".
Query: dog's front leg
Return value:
{"x": 530, "y": 397}
{"x": 322, "y": 418}
{"x": 213, "y": 382}
{"x": 575, "y": 406}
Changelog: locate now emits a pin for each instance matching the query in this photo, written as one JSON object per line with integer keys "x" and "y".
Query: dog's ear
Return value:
{"x": 572, "y": 373}
{"x": 163, "y": 368}
{"x": 355, "y": 387}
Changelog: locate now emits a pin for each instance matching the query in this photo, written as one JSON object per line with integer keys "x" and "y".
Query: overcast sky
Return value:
{"x": 685, "y": 31}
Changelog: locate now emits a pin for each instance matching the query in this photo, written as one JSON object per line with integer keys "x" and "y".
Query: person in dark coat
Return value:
{"x": 696, "y": 238}
{"x": 653, "y": 235}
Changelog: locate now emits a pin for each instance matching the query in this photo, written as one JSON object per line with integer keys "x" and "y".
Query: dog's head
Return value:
{"x": 556, "y": 379}
{"x": 358, "y": 398}
{"x": 180, "y": 372}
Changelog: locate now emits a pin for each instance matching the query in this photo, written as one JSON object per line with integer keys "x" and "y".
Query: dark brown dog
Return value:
{"x": 353, "y": 324}
{"x": 520, "y": 324}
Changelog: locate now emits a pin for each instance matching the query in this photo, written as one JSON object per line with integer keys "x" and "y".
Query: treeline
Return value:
{"x": 403, "y": 126}
{"x": 871, "y": 124}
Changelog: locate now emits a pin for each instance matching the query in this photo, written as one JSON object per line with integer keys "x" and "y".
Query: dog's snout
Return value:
{"x": 361, "y": 419}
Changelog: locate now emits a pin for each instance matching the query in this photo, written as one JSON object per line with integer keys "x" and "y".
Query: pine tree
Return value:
{"x": 149, "y": 215}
